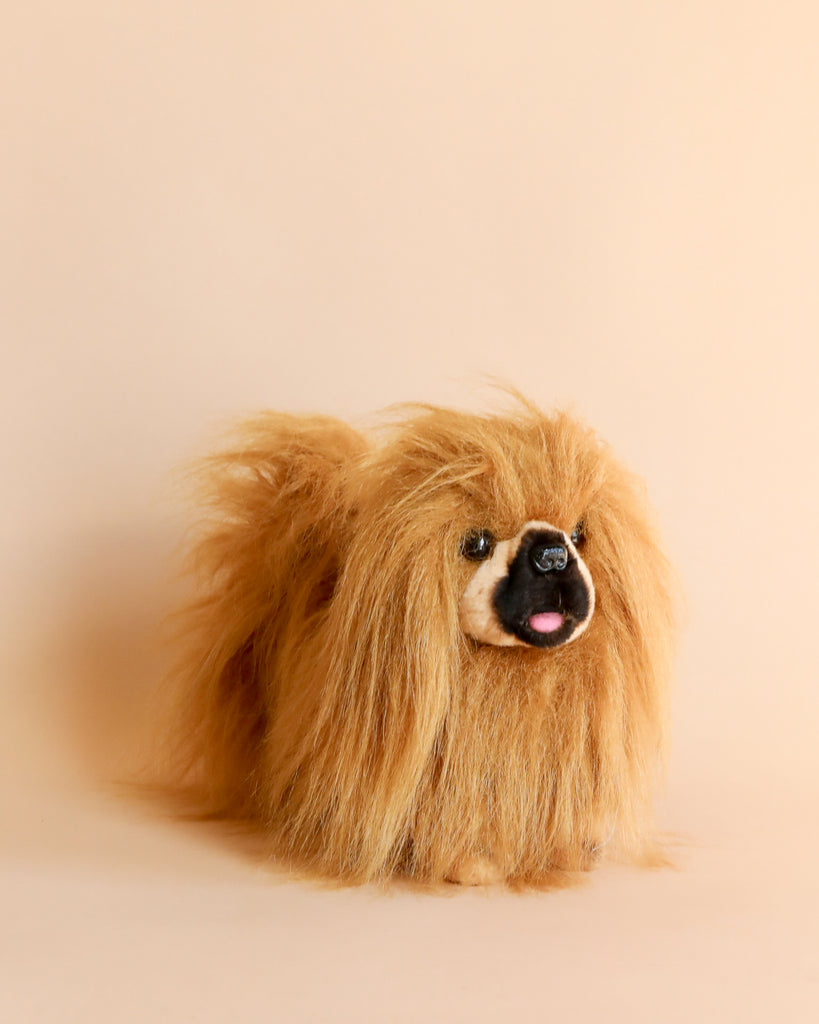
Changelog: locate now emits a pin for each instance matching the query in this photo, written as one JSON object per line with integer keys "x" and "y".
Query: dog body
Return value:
{"x": 441, "y": 652}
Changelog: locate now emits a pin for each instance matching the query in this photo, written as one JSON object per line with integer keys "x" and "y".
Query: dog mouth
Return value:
{"x": 550, "y": 628}
{"x": 549, "y": 621}
{"x": 546, "y": 622}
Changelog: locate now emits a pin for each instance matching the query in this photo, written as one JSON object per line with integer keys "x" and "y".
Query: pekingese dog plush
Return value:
{"x": 440, "y": 651}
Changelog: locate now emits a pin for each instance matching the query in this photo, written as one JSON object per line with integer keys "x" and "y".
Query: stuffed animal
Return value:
{"x": 439, "y": 651}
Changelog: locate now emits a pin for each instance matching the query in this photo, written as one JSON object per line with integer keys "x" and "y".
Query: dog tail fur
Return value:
{"x": 273, "y": 499}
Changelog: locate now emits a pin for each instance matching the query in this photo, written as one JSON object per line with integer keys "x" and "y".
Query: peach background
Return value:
{"x": 208, "y": 209}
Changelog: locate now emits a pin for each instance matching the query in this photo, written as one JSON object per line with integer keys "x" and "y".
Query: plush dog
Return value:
{"x": 441, "y": 651}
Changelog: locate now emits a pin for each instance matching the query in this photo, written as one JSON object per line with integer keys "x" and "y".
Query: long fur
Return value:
{"x": 329, "y": 696}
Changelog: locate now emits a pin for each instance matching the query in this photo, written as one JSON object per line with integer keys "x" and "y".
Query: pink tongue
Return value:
{"x": 546, "y": 622}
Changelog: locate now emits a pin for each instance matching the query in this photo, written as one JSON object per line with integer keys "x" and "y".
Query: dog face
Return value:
{"x": 532, "y": 589}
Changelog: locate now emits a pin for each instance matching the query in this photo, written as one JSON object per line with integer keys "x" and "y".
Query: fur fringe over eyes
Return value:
{"x": 328, "y": 694}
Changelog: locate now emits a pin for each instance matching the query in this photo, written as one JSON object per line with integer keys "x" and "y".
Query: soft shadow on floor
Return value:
{"x": 105, "y": 653}
{"x": 99, "y": 665}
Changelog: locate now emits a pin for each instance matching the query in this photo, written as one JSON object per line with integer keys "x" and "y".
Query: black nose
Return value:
{"x": 548, "y": 558}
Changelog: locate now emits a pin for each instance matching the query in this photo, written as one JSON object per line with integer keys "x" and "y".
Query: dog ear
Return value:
{"x": 383, "y": 680}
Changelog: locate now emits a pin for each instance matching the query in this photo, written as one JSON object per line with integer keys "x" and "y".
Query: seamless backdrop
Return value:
{"x": 209, "y": 209}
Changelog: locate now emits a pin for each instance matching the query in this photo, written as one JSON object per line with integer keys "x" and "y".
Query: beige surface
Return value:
{"x": 211, "y": 208}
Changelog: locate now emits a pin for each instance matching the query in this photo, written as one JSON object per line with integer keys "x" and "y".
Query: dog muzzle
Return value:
{"x": 533, "y": 589}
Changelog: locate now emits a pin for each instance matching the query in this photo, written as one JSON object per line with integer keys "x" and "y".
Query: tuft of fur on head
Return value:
{"x": 329, "y": 694}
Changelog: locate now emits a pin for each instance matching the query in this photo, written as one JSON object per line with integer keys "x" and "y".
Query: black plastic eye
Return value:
{"x": 579, "y": 534}
{"x": 478, "y": 545}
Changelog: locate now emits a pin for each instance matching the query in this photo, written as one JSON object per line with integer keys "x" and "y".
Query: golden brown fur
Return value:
{"x": 330, "y": 696}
